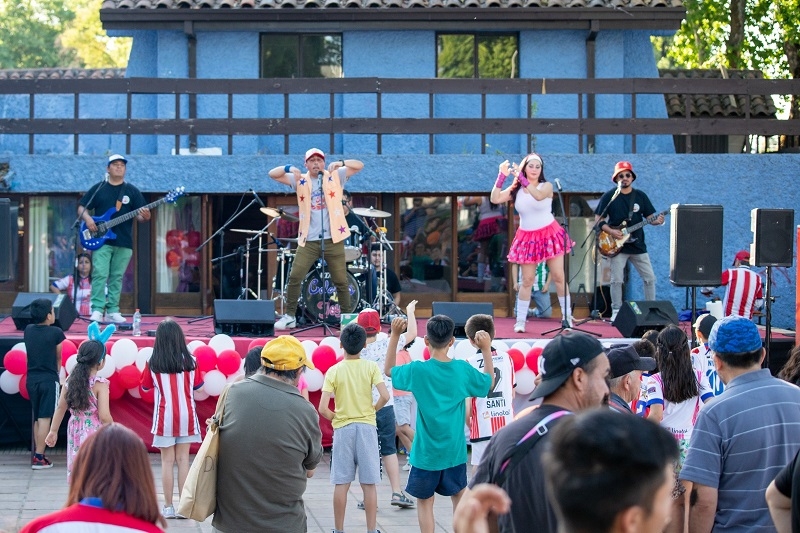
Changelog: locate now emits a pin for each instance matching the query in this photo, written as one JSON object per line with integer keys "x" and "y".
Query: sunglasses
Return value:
{"x": 624, "y": 175}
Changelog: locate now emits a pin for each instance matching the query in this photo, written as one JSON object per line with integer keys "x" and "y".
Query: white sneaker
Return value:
{"x": 97, "y": 316}
{"x": 614, "y": 314}
{"x": 168, "y": 512}
{"x": 519, "y": 327}
{"x": 286, "y": 322}
{"x": 407, "y": 467}
{"x": 115, "y": 317}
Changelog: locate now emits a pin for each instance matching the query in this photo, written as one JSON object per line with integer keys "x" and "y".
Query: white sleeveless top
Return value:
{"x": 533, "y": 214}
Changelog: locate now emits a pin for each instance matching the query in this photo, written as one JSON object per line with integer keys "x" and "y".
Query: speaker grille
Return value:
{"x": 695, "y": 245}
{"x": 773, "y": 237}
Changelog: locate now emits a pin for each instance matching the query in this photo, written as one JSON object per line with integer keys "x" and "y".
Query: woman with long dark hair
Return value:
{"x": 539, "y": 236}
{"x": 791, "y": 370}
{"x": 674, "y": 395}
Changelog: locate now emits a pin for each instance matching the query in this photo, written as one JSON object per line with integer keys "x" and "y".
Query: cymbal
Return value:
{"x": 249, "y": 231}
{"x": 277, "y": 212}
{"x": 370, "y": 212}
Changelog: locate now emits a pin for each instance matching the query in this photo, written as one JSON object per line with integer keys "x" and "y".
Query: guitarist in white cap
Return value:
{"x": 110, "y": 261}
{"x": 624, "y": 207}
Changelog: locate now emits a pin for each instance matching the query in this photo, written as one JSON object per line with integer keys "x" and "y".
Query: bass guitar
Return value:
{"x": 92, "y": 240}
{"x": 609, "y": 246}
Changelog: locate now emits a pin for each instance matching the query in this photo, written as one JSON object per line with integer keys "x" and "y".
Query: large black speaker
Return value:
{"x": 6, "y": 257}
{"x": 244, "y": 317}
{"x": 695, "y": 245}
{"x": 636, "y": 317}
{"x": 773, "y": 237}
{"x": 62, "y": 305}
{"x": 461, "y": 311}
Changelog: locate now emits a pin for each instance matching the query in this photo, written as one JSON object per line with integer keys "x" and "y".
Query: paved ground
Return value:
{"x": 26, "y": 494}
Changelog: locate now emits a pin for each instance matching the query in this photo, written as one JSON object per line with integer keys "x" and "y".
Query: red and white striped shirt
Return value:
{"x": 174, "y": 411}
{"x": 495, "y": 411}
{"x": 80, "y": 518}
{"x": 744, "y": 288}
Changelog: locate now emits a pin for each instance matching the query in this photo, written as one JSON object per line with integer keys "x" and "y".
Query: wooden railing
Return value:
{"x": 186, "y": 91}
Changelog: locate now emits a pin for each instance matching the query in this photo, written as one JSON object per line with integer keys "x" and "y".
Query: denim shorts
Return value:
{"x": 384, "y": 419}
{"x": 422, "y": 484}
{"x": 166, "y": 442}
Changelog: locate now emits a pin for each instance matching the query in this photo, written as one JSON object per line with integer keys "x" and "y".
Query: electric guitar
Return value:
{"x": 609, "y": 246}
{"x": 93, "y": 240}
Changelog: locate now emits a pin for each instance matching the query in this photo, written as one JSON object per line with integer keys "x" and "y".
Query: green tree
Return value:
{"x": 29, "y": 34}
{"x": 85, "y": 36}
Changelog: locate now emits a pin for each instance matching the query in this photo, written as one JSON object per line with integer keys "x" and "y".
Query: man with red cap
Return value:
{"x": 323, "y": 225}
{"x": 628, "y": 206}
{"x": 744, "y": 287}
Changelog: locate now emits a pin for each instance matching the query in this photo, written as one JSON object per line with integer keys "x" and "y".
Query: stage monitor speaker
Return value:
{"x": 695, "y": 245}
{"x": 254, "y": 318}
{"x": 636, "y": 317}
{"x": 6, "y": 258}
{"x": 773, "y": 237}
{"x": 461, "y": 311}
{"x": 62, "y": 305}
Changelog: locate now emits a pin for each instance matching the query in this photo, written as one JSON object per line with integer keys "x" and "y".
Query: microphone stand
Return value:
{"x": 564, "y": 313}
{"x": 77, "y": 227}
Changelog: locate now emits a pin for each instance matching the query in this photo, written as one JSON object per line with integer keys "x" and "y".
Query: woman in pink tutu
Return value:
{"x": 539, "y": 237}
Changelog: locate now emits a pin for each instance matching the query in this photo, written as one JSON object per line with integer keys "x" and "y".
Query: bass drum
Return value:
{"x": 314, "y": 288}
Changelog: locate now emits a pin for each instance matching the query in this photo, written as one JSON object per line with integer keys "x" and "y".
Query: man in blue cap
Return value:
{"x": 742, "y": 438}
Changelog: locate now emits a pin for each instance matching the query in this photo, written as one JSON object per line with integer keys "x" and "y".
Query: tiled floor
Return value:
{"x": 26, "y": 494}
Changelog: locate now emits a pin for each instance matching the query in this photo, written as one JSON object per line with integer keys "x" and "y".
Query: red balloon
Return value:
{"x": 426, "y": 354}
{"x": 68, "y": 349}
{"x": 206, "y": 358}
{"x": 229, "y": 362}
{"x": 16, "y": 362}
{"x": 115, "y": 387}
{"x": 128, "y": 376}
{"x": 257, "y": 342}
{"x": 517, "y": 358}
{"x": 193, "y": 238}
{"x": 323, "y": 357}
{"x": 174, "y": 238}
{"x": 148, "y": 396}
{"x": 23, "y": 387}
{"x": 173, "y": 259}
{"x": 532, "y": 358}
{"x": 109, "y": 344}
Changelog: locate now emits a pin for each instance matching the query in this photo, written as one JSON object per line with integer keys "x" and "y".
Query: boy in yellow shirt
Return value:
{"x": 355, "y": 433}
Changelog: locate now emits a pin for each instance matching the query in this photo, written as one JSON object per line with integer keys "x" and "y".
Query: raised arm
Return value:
{"x": 353, "y": 166}
{"x": 398, "y": 325}
{"x": 281, "y": 174}
{"x": 484, "y": 341}
{"x": 411, "y": 331}
{"x": 498, "y": 194}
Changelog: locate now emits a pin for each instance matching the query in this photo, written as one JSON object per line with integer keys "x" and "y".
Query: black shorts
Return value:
{"x": 385, "y": 421}
{"x": 44, "y": 398}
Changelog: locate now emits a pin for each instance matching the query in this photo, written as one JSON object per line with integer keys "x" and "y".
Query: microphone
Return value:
{"x": 320, "y": 174}
{"x": 619, "y": 184}
{"x": 558, "y": 184}
{"x": 255, "y": 194}
{"x": 355, "y": 229}
{"x": 344, "y": 202}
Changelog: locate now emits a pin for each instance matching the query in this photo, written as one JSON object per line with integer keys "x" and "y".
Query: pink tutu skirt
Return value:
{"x": 539, "y": 245}
{"x": 487, "y": 228}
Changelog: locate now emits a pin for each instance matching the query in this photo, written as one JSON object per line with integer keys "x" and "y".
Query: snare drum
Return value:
{"x": 315, "y": 287}
{"x": 352, "y": 253}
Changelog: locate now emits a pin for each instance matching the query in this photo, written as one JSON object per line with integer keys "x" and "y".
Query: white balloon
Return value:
{"x": 200, "y": 395}
{"x": 523, "y": 347}
{"x": 334, "y": 343}
{"x": 464, "y": 349}
{"x": 525, "y": 381}
{"x": 314, "y": 379}
{"x": 70, "y": 363}
{"x": 309, "y": 346}
{"x": 135, "y": 392}
{"x": 124, "y": 352}
{"x": 499, "y": 345}
{"x": 214, "y": 381}
{"x": 110, "y": 367}
{"x": 194, "y": 344}
{"x": 20, "y": 346}
{"x": 541, "y": 343}
{"x": 143, "y": 357}
{"x": 221, "y": 343}
{"x": 62, "y": 374}
{"x": 416, "y": 349}
{"x": 9, "y": 383}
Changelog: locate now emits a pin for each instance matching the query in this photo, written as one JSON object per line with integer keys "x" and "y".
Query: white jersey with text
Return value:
{"x": 493, "y": 412}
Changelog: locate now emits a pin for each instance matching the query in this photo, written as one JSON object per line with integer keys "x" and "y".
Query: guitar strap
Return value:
{"x": 122, "y": 191}
{"x": 630, "y": 205}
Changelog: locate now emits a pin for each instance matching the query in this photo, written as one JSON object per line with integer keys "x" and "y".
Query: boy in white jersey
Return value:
{"x": 486, "y": 416}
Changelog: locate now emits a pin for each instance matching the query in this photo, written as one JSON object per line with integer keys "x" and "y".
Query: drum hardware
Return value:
{"x": 370, "y": 212}
{"x": 277, "y": 212}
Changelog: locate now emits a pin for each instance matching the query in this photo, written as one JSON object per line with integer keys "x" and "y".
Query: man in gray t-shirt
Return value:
{"x": 742, "y": 438}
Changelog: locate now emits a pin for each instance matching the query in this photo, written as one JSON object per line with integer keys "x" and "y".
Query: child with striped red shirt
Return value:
{"x": 173, "y": 372}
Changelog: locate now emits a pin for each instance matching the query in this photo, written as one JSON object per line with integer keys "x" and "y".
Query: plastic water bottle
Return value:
{"x": 137, "y": 324}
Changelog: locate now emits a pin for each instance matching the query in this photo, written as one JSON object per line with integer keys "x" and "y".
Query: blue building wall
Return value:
{"x": 667, "y": 179}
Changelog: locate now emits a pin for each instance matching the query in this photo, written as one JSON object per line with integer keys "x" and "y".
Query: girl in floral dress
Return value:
{"x": 539, "y": 236}
{"x": 86, "y": 397}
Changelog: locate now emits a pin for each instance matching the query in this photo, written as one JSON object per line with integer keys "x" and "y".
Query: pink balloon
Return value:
{"x": 323, "y": 357}
{"x": 115, "y": 388}
{"x": 517, "y": 358}
{"x": 426, "y": 354}
{"x": 68, "y": 348}
{"x": 532, "y": 358}
{"x": 128, "y": 376}
{"x": 206, "y": 358}
{"x": 229, "y": 362}
{"x": 23, "y": 387}
{"x": 16, "y": 362}
{"x": 256, "y": 342}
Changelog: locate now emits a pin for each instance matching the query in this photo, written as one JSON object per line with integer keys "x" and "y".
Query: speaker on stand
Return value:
{"x": 636, "y": 317}
{"x": 64, "y": 309}
{"x": 773, "y": 245}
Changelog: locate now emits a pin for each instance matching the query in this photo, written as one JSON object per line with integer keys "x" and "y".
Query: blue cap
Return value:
{"x": 734, "y": 334}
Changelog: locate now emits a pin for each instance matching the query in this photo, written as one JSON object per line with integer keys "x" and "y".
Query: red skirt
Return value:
{"x": 487, "y": 228}
{"x": 531, "y": 247}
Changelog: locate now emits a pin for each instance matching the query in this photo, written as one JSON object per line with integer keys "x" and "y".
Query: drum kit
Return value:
{"x": 318, "y": 292}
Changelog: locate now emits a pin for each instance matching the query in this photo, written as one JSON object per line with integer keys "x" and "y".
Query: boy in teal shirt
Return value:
{"x": 440, "y": 386}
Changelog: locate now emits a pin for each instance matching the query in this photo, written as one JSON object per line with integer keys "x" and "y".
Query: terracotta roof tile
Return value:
{"x": 718, "y": 105}
{"x": 61, "y": 73}
{"x": 377, "y": 4}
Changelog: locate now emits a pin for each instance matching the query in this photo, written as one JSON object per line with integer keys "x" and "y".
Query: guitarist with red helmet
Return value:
{"x": 110, "y": 261}
{"x": 625, "y": 207}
